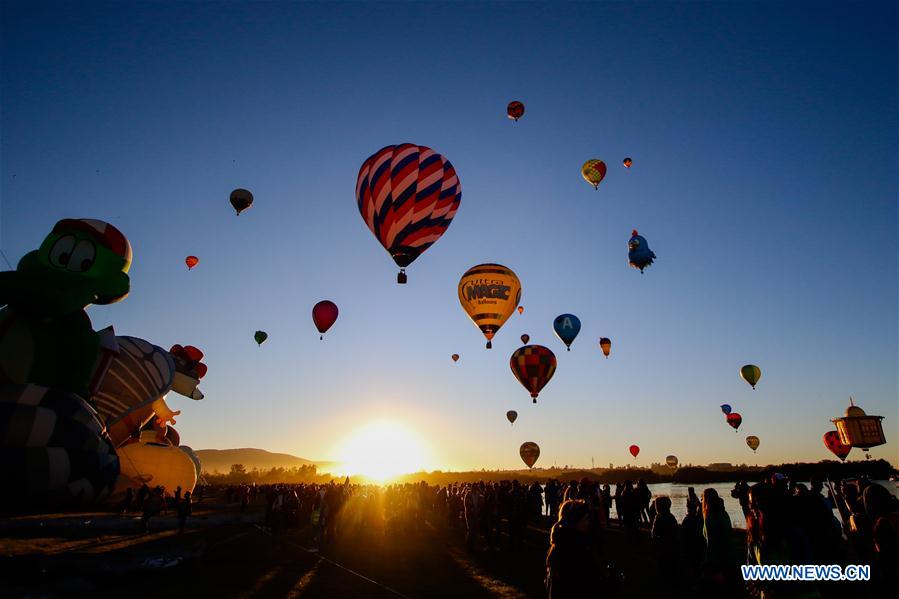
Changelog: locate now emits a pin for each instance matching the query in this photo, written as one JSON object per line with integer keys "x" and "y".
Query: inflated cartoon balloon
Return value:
{"x": 593, "y": 172}
{"x": 241, "y": 199}
{"x": 324, "y": 314}
{"x": 751, "y": 374}
{"x": 489, "y": 293}
{"x": 529, "y": 452}
{"x": 567, "y": 326}
{"x": 408, "y": 196}
{"x": 515, "y": 110}
{"x": 533, "y": 366}
{"x": 638, "y": 253}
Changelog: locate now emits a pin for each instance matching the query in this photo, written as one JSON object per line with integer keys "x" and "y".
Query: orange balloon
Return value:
{"x": 521, "y": 309}
{"x": 191, "y": 261}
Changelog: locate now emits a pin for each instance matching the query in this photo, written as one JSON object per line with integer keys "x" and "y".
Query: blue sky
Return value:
{"x": 764, "y": 139}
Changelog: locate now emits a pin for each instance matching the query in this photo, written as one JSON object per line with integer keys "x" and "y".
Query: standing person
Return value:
{"x": 570, "y": 568}
{"x": 693, "y": 500}
{"x": 128, "y": 500}
{"x": 720, "y": 561}
{"x": 665, "y": 543}
{"x": 693, "y": 542}
{"x": 184, "y": 510}
{"x": 472, "y": 501}
{"x": 644, "y": 496}
{"x": 740, "y": 492}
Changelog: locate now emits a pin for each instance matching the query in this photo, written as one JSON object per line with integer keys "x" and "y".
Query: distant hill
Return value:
{"x": 220, "y": 460}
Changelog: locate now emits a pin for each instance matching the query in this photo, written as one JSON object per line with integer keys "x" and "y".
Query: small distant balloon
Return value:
{"x": 726, "y": 409}
{"x": 511, "y": 416}
{"x": 241, "y": 199}
{"x": 521, "y": 309}
{"x": 734, "y": 420}
{"x": 593, "y": 172}
{"x": 753, "y": 442}
{"x": 751, "y": 374}
{"x": 634, "y": 449}
{"x": 515, "y": 110}
{"x": 324, "y": 314}
{"x": 567, "y": 326}
{"x": 533, "y": 366}
{"x": 671, "y": 461}
{"x": 627, "y": 162}
{"x": 529, "y": 452}
{"x": 260, "y": 337}
{"x": 455, "y": 357}
{"x": 605, "y": 344}
{"x": 191, "y": 261}
{"x": 833, "y": 442}
{"x": 525, "y": 338}
{"x": 638, "y": 253}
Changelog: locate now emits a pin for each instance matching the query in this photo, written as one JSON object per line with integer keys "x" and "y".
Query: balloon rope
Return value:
{"x": 5, "y": 259}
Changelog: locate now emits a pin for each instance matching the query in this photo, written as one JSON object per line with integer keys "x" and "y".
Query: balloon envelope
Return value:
{"x": 567, "y": 326}
{"x": 634, "y": 450}
{"x": 734, "y": 420}
{"x": 260, "y": 337}
{"x": 529, "y": 452}
{"x": 455, "y": 357}
{"x": 833, "y": 442}
{"x": 525, "y": 338}
{"x": 638, "y": 253}
{"x": 521, "y": 309}
{"x": 533, "y": 366}
{"x": 671, "y": 461}
{"x": 157, "y": 465}
{"x": 324, "y": 314}
{"x": 489, "y": 293}
{"x": 751, "y": 374}
{"x": 605, "y": 344}
{"x": 627, "y": 162}
{"x": 753, "y": 442}
{"x": 408, "y": 196}
{"x": 515, "y": 110}
{"x": 725, "y": 407}
{"x": 512, "y": 416}
{"x": 241, "y": 199}
{"x": 593, "y": 172}
{"x": 191, "y": 261}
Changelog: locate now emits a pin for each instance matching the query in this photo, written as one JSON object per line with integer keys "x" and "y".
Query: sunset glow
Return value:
{"x": 380, "y": 451}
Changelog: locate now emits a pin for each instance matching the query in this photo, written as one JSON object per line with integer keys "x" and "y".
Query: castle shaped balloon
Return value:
{"x": 83, "y": 414}
{"x": 857, "y": 429}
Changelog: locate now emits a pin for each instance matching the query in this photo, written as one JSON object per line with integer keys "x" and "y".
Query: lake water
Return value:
{"x": 678, "y": 495}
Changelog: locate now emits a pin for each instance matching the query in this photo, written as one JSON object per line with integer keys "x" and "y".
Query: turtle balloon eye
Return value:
{"x": 82, "y": 257}
{"x": 61, "y": 251}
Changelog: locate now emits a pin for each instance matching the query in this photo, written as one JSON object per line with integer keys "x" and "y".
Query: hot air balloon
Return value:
{"x": 726, "y": 409}
{"x": 605, "y": 344}
{"x": 408, "y": 196}
{"x": 241, "y": 199}
{"x": 751, "y": 374}
{"x": 260, "y": 337}
{"x": 455, "y": 357}
{"x": 191, "y": 261}
{"x": 734, "y": 420}
{"x": 638, "y": 253}
{"x": 489, "y": 293}
{"x": 525, "y": 338}
{"x": 511, "y": 416}
{"x": 529, "y": 452}
{"x": 634, "y": 450}
{"x": 324, "y": 314}
{"x": 521, "y": 309}
{"x": 593, "y": 172}
{"x": 515, "y": 110}
{"x": 753, "y": 442}
{"x": 671, "y": 461}
{"x": 627, "y": 162}
{"x": 533, "y": 366}
{"x": 567, "y": 326}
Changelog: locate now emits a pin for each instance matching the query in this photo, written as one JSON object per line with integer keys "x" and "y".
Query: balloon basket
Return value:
{"x": 401, "y": 278}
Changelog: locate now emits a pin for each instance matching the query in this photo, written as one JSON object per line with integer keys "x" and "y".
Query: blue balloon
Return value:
{"x": 638, "y": 253}
{"x": 567, "y": 326}
{"x": 725, "y": 407}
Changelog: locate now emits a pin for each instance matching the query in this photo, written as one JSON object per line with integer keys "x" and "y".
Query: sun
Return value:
{"x": 382, "y": 450}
